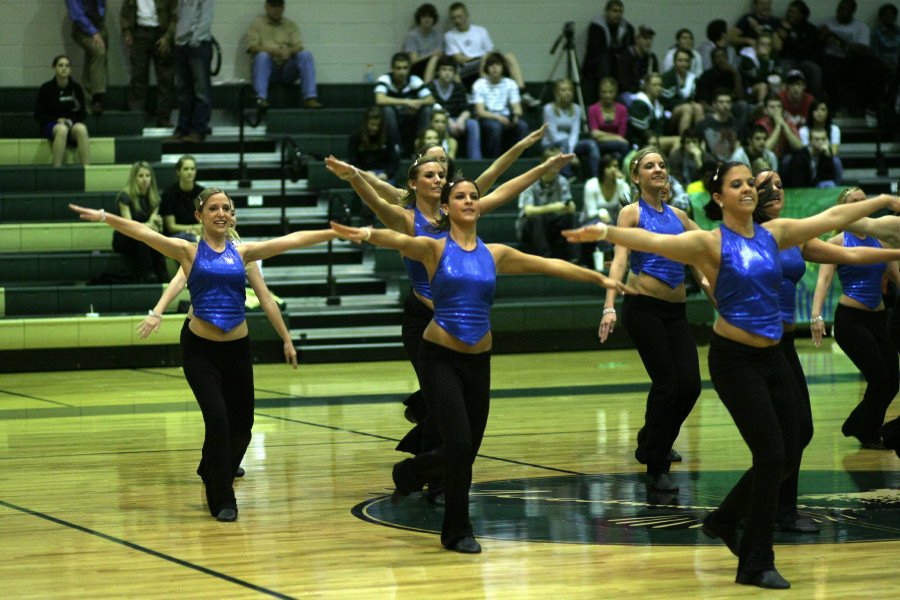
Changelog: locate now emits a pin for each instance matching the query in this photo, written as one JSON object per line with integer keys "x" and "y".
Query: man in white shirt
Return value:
{"x": 470, "y": 44}
{"x": 405, "y": 100}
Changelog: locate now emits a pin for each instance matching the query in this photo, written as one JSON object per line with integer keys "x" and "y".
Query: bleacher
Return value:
{"x": 55, "y": 270}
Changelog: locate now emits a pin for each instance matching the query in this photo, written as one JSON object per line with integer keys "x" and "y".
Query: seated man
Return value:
{"x": 635, "y": 63}
{"x": 795, "y": 99}
{"x": 783, "y": 138}
{"x": 278, "y": 55}
{"x": 721, "y": 130}
{"x": 498, "y": 108}
{"x": 545, "y": 209}
{"x": 405, "y": 101}
{"x": 424, "y": 43}
{"x": 469, "y": 46}
{"x": 451, "y": 95}
{"x": 814, "y": 165}
{"x": 754, "y": 153}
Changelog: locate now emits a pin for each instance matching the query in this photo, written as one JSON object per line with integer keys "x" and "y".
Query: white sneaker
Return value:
{"x": 530, "y": 101}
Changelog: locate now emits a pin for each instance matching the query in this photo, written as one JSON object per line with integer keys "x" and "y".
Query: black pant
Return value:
{"x": 424, "y": 435}
{"x": 758, "y": 389}
{"x": 144, "y": 263}
{"x": 543, "y": 234}
{"x": 663, "y": 337}
{"x": 863, "y": 336}
{"x": 457, "y": 389}
{"x": 894, "y": 324}
{"x": 787, "y": 498}
{"x": 221, "y": 377}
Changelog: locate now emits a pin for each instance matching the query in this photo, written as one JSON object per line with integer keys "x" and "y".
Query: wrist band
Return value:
{"x": 368, "y": 234}
{"x": 816, "y": 319}
{"x": 102, "y": 215}
{"x": 150, "y": 313}
{"x": 603, "y": 231}
{"x": 609, "y": 311}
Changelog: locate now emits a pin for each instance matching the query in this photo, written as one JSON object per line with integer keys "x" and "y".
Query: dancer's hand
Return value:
{"x": 290, "y": 353}
{"x": 607, "y": 325}
{"x": 817, "y": 328}
{"x": 534, "y": 137}
{"x": 354, "y": 234}
{"x": 89, "y": 214}
{"x": 588, "y": 233}
{"x": 342, "y": 169}
{"x": 149, "y": 325}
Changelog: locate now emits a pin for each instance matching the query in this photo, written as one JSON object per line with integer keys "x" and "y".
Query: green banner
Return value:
{"x": 798, "y": 203}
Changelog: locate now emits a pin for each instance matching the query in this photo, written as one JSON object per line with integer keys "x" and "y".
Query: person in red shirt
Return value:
{"x": 795, "y": 99}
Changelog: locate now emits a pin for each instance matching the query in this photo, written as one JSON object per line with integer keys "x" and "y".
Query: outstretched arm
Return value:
{"x": 419, "y": 248}
{"x": 175, "y": 248}
{"x": 256, "y": 281}
{"x": 793, "y": 232}
{"x": 253, "y": 251}
{"x": 393, "y": 216}
{"x": 383, "y": 189}
{"x": 499, "y": 166}
{"x": 511, "y": 261}
{"x": 690, "y": 247}
{"x": 816, "y": 250}
{"x": 886, "y": 229}
{"x": 515, "y": 186}
{"x": 152, "y": 322}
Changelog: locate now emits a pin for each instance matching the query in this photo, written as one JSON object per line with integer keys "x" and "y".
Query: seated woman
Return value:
{"x": 440, "y": 123}
{"x": 820, "y": 118}
{"x": 139, "y": 201}
{"x": 679, "y": 84}
{"x": 371, "y": 149}
{"x": 60, "y": 113}
{"x": 564, "y": 118}
{"x": 608, "y": 121}
{"x": 177, "y": 205}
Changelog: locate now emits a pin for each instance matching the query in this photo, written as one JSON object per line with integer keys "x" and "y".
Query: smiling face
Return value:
{"x": 769, "y": 184}
{"x": 462, "y": 203}
{"x": 738, "y": 195}
{"x": 428, "y": 181}
{"x": 216, "y": 213}
{"x": 650, "y": 175}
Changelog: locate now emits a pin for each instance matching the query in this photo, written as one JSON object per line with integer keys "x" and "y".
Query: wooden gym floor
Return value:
{"x": 98, "y": 496}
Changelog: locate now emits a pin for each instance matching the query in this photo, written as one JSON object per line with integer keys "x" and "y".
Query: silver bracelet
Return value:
{"x": 102, "y": 215}
{"x": 609, "y": 311}
{"x": 368, "y": 234}
{"x": 816, "y": 319}
{"x": 150, "y": 313}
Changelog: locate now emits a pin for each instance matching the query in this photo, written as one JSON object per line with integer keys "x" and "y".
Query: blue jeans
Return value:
{"x": 494, "y": 135}
{"x": 403, "y": 125}
{"x": 473, "y": 139}
{"x": 300, "y": 66}
{"x": 194, "y": 87}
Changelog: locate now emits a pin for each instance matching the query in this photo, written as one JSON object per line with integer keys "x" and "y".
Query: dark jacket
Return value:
{"x": 54, "y": 102}
{"x": 166, "y": 13}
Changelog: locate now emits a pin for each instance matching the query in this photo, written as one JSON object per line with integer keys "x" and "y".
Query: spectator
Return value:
{"x": 722, "y": 76}
{"x": 427, "y": 138}
{"x": 424, "y": 43}
{"x": 646, "y": 115}
{"x": 498, "y": 108}
{"x": 684, "y": 40}
{"x": 686, "y": 162}
{"x": 60, "y": 114}
{"x": 278, "y": 55}
{"x": 148, "y": 33}
{"x": 754, "y": 153}
{"x": 795, "y": 99}
{"x": 783, "y": 136}
{"x": 406, "y": 102}
{"x": 546, "y": 209}
{"x": 564, "y": 119}
{"x": 820, "y": 117}
{"x": 452, "y": 98}
{"x": 850, "y": 72}
{"x": 754, "y": 23}
{"x": 814, "y": 165}
{"x": 370, "y": 148}
{"x": 800, "y": 48}
{"x": 605, "y": 195}
{"x": 609, "y": 37}
{"x": 440, "y": 123}
{"x": 139, "y": 201}
{"x": 886, "y": 48}
{"x": 721, "y": 130}
{"x": 718, "y": 35}
{"x": 760, "y": 72}
{"x": 177, "y": 204}
{"x": 89, "y": 31}
{"x": 608, "y": 121}
{"x": 470, "y": 45}
{"x": 679, "y": 85}
{"x": 635, "y": 64}
{"x": 193, "y": 52}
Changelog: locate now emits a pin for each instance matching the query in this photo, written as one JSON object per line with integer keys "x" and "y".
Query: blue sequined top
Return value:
{"x": 217, "y": 285}
{"x": 792, "y": 269}
{"x": 749, "y": 278}
{"x": 862, "y": 282}
{"x": 416, "y": 271}
{"x": 463, "y": 291}
{"x": 666, "y": 221}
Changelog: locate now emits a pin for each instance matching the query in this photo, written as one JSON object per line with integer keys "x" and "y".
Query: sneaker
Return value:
{"x": 530, "y": 101}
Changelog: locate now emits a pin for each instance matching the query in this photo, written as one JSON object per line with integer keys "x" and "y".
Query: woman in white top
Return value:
{"x": 564, "y": 119}
{"x": 820, "y": 117}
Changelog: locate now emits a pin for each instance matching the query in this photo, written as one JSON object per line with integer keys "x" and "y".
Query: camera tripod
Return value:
{"x": 566, "y": 41}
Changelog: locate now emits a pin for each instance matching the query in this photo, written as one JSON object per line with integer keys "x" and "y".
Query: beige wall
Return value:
{"x": 345, "y": 35}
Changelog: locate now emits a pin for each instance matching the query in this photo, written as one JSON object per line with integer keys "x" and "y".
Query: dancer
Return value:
{"x": 656, "y": 318}
{"x": 793, "y": 265}
{"x": 216, "y": 348}
{"x": 861, "y": 331}
{"x": 456, "y": 347}
{"x": 749, "y": 372}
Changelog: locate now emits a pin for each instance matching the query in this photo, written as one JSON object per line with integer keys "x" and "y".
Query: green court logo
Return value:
{"x": 850, "y": 506}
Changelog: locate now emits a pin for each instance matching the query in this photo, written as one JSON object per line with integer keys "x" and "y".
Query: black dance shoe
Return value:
{"x": 726, "y": 534}
{"x": 240, "y": 472}
{"x": 404, "y": 481}
{"x": 873, "y": 444}
{"x": 795, "y": 523}
{"x": 227, "y": 515}
{"x": 674, "y": 456}
{"x": 466, "y": 545}
{"x": 769, "y": 579}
